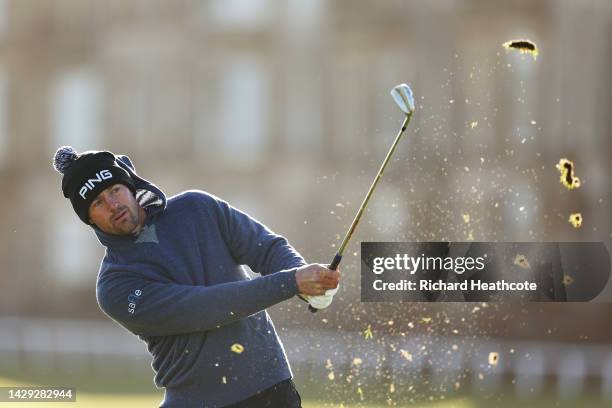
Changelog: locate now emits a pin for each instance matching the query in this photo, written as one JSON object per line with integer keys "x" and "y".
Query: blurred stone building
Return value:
{"x": 283, "y": 109}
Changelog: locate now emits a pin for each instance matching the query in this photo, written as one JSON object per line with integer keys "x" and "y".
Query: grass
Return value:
{"x": 99, "y": 399}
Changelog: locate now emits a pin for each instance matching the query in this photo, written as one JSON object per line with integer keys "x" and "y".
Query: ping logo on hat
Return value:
{"x": 89, "y": 184}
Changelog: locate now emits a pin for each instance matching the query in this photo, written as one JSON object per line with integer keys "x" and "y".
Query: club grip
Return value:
{"x": 333, "y": 266}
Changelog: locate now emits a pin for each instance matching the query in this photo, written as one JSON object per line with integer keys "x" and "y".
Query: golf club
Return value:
{"x": 403, "y": 97}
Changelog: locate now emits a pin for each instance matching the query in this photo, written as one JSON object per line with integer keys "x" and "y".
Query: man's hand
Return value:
{"x": 316, "y": 279}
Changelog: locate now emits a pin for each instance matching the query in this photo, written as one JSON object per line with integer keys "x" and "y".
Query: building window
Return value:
{"x": 239, "y": 13}
{"x": 76, "y": 264}
{"x": 3, "y": 118}
{"x": 244, "y": 111}
{"x": 389, "y": 67}
{"x": 523, "y": 104}
{"x": 4, "y": 18}
{"x": 76, "y": 117}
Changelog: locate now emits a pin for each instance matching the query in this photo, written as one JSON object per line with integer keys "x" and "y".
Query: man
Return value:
{"x": 172, "y": 275}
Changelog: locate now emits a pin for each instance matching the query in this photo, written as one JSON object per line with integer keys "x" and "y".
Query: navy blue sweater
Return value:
{"x": 179, "y": 285}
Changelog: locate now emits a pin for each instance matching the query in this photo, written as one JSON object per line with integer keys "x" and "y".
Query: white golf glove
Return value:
{"x": 322, "y": 301}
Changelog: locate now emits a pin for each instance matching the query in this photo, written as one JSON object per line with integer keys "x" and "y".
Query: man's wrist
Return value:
{"x": 291, "y": 281}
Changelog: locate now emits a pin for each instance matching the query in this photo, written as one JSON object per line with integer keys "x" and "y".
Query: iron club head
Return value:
{"x": 403, "y": 97}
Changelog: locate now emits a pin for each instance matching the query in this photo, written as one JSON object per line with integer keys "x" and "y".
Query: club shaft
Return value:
{"x": 336, "y": 261}
{"x": 364, "y": 204}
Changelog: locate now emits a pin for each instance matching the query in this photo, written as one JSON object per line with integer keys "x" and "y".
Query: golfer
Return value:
{"x": 172, "y": 275}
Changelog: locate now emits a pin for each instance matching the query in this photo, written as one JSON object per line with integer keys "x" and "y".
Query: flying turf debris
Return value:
{"x": 493, "y": 358}
{"x": 568, "y": 178}
{"x": 367, "y": 333}
{"x": 576, "y": 220}
{"x": 237, "y": 348}
{"x": 521, "y": 261}
{"x": 524, "y": 46}
{"x": 567, "y": 280}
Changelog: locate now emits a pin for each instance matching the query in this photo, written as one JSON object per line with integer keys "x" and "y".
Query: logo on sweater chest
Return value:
{"x": 133, "y": 299}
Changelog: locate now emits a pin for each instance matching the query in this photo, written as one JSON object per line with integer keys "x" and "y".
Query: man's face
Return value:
{"x": 115, "y": 211}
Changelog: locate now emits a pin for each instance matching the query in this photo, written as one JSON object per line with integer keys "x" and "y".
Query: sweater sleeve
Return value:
{"x": 252, "y": 243}
{"x": 152, "y": 308}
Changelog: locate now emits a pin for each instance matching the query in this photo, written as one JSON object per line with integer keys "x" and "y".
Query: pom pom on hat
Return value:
{"x": 64, "y": 157}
